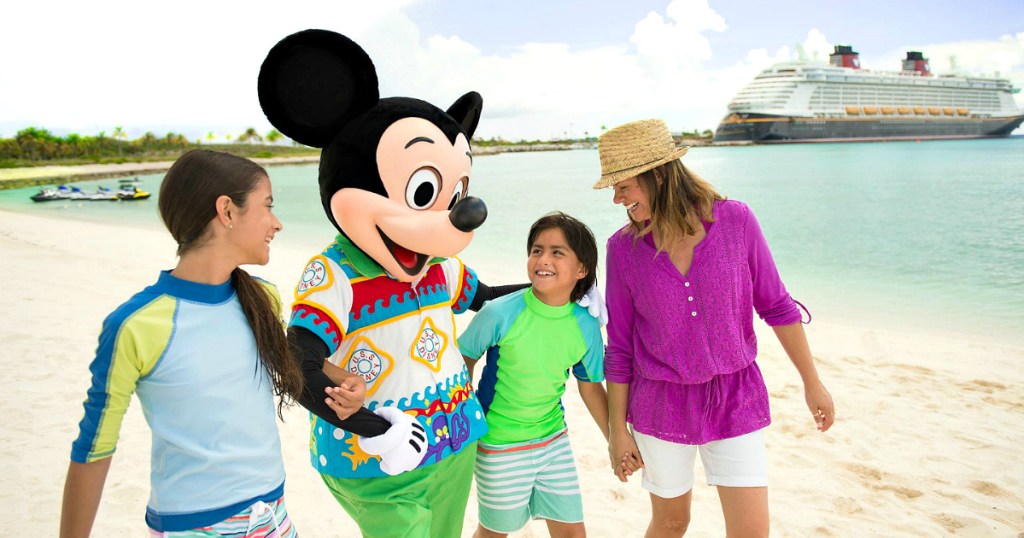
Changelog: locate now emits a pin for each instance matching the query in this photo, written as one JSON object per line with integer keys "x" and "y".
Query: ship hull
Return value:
{"x": 767, "y": 128}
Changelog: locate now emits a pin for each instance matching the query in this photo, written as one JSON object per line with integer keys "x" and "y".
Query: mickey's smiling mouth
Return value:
{"x": 410, "y": 262}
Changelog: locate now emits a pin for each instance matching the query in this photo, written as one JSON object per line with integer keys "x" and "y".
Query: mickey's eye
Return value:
{"x": 423, "y": 187}
{"x": 458, "y": 194}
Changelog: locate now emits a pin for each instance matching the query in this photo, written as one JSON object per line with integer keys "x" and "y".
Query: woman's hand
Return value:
{"x": 819, "y": 401}
{"x": 348, "y": 397}
{"x": 623, "y": 454}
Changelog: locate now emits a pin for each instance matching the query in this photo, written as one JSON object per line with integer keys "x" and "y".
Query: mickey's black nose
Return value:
{"x": 468, "y": 214}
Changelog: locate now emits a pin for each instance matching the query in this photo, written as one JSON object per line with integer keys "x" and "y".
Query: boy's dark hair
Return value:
{"x": 581, "y": 241}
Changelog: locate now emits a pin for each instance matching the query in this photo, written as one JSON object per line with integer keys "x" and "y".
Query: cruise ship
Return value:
{"x": 815, "y": 102}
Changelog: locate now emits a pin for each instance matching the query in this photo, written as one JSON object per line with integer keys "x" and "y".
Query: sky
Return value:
{"x": 545, "y": 68}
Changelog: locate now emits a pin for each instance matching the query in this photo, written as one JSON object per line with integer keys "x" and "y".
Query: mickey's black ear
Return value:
{"x": 313, "y": 83}
{"x": 466, "y": 111}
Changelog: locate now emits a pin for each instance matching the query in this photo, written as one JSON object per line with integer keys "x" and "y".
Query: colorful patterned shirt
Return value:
{"x": 530, "y": 348}
{"x": 400, "y": 337}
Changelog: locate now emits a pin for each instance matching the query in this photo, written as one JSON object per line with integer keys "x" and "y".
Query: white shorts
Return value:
{"x": 739, "y": 462}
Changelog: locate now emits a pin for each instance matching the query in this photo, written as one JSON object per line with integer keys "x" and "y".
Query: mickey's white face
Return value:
{"x": 421, "y": 168}
{"x": 424, "y": 176}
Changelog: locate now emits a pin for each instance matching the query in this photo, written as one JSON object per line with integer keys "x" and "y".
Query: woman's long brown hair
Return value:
{"x": 680, "y": 200}
{"x": 187, "y": 205}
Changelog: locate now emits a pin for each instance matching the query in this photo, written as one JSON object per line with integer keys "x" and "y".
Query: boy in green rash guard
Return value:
{"x": 532, "y": 338}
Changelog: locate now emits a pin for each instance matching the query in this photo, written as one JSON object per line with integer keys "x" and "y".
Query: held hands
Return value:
{"x": 819, "y": 401}
{"x": 400, "y": 448}
{"x": 347, "y": 397}
{"x": 624, "y": 456}
{"x": 593, "y": 301}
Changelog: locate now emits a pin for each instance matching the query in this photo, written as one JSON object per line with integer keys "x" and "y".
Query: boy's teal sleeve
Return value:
{"x": 482, "y": 333}
{"x": 591, "y": 367}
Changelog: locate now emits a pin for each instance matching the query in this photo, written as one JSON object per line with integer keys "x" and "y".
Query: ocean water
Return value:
{"x": 901, "y": 235}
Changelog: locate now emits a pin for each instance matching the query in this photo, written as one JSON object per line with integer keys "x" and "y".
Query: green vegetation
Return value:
{"x": 501, "y": 142}
{"x": 35, "y": 146}
{"x": 697, "y": 133}
{"x": 702, "y": 137}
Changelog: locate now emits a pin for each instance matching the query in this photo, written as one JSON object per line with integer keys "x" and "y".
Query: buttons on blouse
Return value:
{"x": 690, "y": 298}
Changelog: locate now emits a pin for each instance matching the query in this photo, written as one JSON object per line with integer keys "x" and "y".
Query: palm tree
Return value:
{"x": 147, "y": 141}
{"x": 9, "y": 149}
{"x": 274, "y": 135}
{"x": 71, "y": 146}
{"x": 118, "y": 135}
{"x": 35, "y": 141}
{"x": 210, "y": 137}
{"x": 249, "y": 135}
{"x": 27, "y": 143}
{"x": 100, "y": 137}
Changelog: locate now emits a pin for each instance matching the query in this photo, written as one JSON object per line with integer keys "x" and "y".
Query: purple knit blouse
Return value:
{"x": 686, "y": 343}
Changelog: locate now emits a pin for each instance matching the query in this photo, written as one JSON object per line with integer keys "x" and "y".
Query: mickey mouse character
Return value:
{"x": 378, "y": 302}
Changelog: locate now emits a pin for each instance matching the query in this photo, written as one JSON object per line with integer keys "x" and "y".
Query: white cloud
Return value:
{"x": 694, "y": 16}
{"x": 1003, "y": 57}
{"x": 816, "y": 47}
{"x": 89, "y": 66}
{"x": 196, "y": 69}
{"x": 678, "y": 43}
{"x": 544, "y": 90}
{"x": 193, "y": 66}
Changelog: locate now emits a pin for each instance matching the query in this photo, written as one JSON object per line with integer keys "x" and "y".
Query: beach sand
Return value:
{"x": 928, "y": 440}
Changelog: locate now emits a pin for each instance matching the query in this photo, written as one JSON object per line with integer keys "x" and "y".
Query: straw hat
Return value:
{"x": 633, "y": 148}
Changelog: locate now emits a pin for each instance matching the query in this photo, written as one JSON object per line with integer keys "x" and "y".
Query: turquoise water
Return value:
{"x": 927, "y": 236}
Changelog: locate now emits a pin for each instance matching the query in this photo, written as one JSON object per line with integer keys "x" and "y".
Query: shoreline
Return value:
{"x": 910, "y": 406}
{"x": 16, "y": 178}
{"x": 32, "y": 176}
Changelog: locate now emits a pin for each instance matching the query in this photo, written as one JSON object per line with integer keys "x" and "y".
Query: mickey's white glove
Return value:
{"x": 400, "y": 448}
{"x": 594, "y": 303}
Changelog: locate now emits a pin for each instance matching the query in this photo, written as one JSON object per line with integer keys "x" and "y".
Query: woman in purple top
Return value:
{"x": 684, "y": 279}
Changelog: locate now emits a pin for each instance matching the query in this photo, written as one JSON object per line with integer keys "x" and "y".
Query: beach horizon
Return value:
{"x": 14, "y": 178}
{"x": 28, "y": 176}
{"x": 926, "y": 443}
